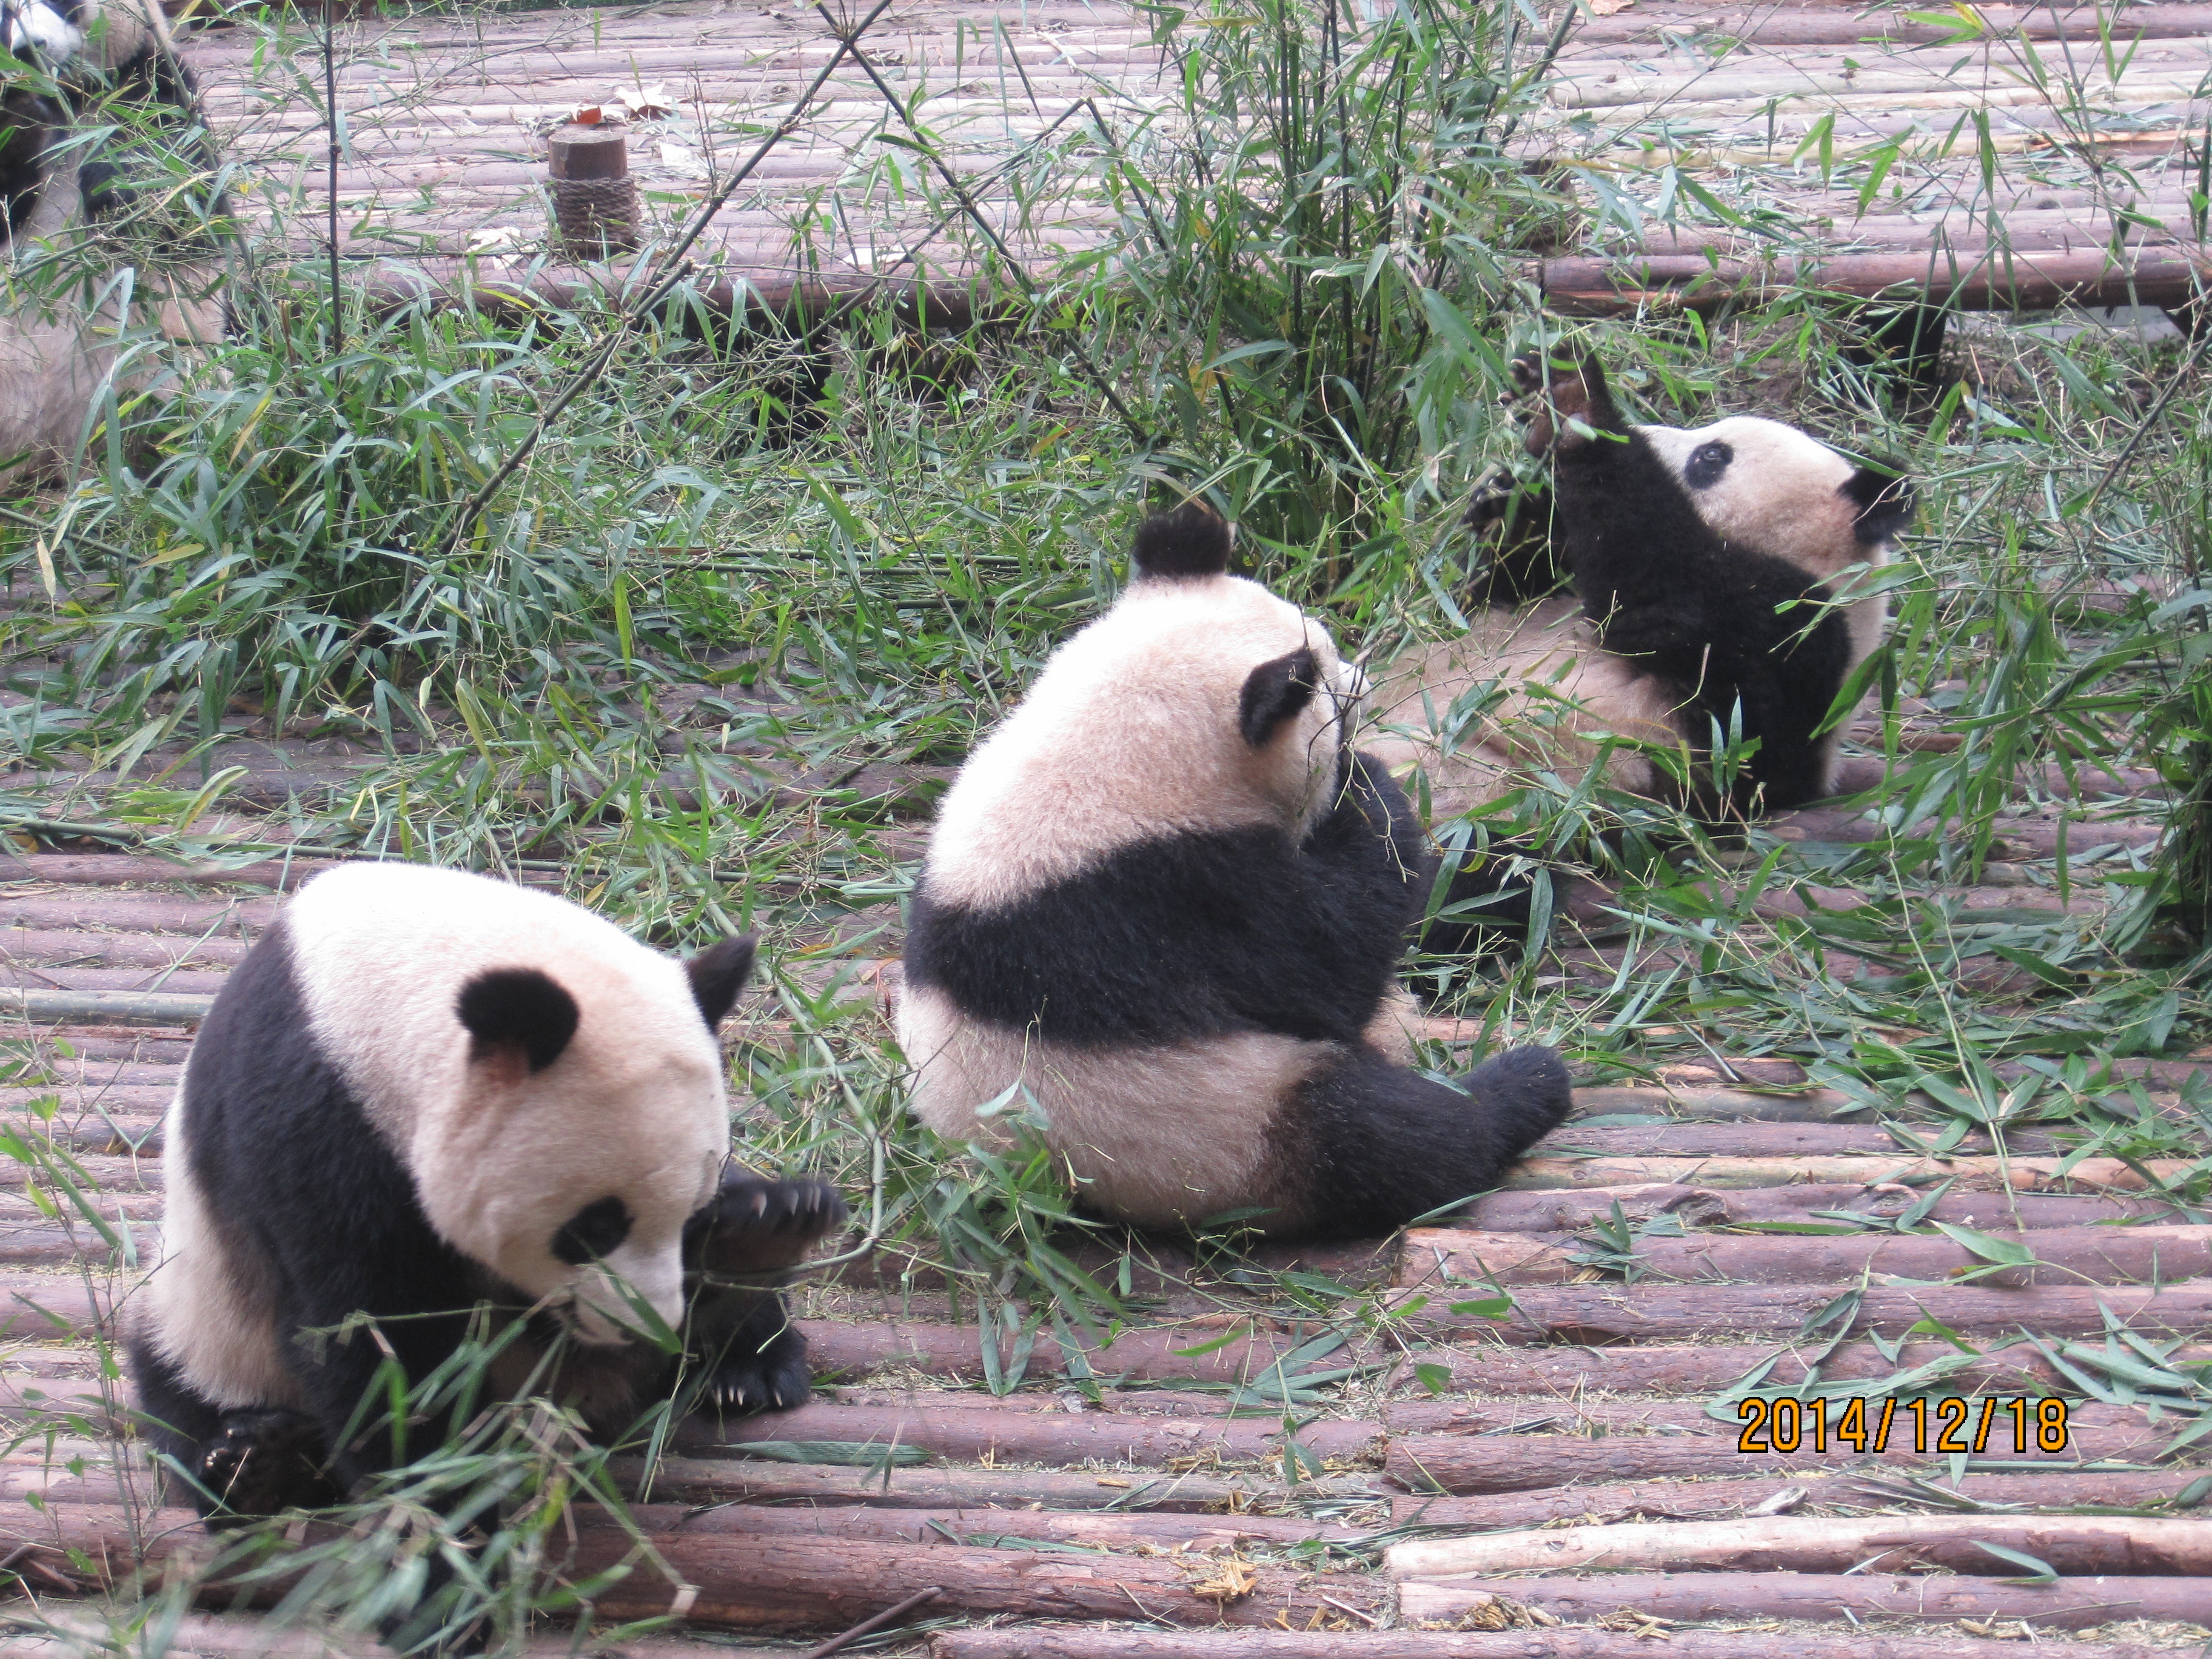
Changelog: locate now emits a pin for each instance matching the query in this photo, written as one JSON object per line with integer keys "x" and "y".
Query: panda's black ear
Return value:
{"x": 1597, "y": 396}
{"x": 1883, "y": 496}
{"x": 517, "y": 1010}
{"x": 1274, "y": 692}
{"x": 1191, "y": 541}
{"x": 718, "y": 974}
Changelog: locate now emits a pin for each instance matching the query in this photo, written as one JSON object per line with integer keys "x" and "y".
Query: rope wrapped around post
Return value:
{"x": 595, "y": 206}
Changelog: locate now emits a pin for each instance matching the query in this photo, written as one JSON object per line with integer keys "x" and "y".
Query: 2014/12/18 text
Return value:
{"x": 1946, "y": 1424}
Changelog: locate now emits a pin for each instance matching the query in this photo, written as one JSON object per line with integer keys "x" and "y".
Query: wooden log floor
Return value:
{"x": 1444, "y": 1450}
{"x": 2014, "y": 157}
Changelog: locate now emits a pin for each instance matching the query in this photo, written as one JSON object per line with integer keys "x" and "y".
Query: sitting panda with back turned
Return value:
{"x": 1167, "y": 900}
{"x": 425, "y": 1091}
{"x": 1706, "y": 567}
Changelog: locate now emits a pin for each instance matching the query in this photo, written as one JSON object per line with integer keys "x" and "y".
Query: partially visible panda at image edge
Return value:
{"x": 122, "y": 42}
{"x": 1704, "y": 565}
{"x": 1167, "y": 899}
{"x": 58, "y": 353}
{"x": 422, "y": 1090}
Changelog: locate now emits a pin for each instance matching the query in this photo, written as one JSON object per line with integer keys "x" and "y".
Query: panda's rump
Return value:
{"x": 1159, "y": 1136}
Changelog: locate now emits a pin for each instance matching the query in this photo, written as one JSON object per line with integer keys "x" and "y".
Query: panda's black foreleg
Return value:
{"x": 236, "y": 1464}
{"x": 1367, "y": 1146}
{"x": 735, "y": 1250}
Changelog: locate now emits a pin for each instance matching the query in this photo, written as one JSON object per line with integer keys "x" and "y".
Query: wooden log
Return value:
{"x": 1685, "y": 1500}
{"x": 65, "y": 1634}
{"x": 2064, "y": 1255}
{"x": 152, "y": 1044}
{"x": 1971, "y": 1173}
{"x": 1702, "y": 1102}
{"x": 142, "y": 1102}
{"x": 1734, "y": 1597}
{"x": 1772, "y": 26}
{"x": 760, "y": 1581}
{"x": 1574, "y": 1209}
{"x": 1565, "y": 1642}
{"x": 722, "y": 1481}
{"x": 2021, "y": 839}
{"x": 774, "y": 296}
{"x": 1466, "y": 1464}
{"x": 1595, "y": 1314}
{"x": 985, "y": 1528}
{"x": 1860, "y": 773}
{"x": 1741, "y": 1139}
{"x": 135, "y": 869}
{"x": 981, "y": 1434}
{"x": 42, "y": 1308}
{"x": 123, "y": 1007}
{"x": 138, "y": 913}
{"x": 46, "y": 983}
{"x": 2070, "y": 1544}
{"x": 160, "y": 951}
{"x": 1489, "y": 1369}
{"x": 956, "y": 1351}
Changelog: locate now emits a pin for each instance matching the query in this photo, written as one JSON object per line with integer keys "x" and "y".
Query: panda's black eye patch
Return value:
{"x": 1706, "y": 463}
{"x": 598, "y": 1227}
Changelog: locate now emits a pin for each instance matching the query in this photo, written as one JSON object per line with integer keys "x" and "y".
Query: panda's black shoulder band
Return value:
{"x": 1191, "y": 541}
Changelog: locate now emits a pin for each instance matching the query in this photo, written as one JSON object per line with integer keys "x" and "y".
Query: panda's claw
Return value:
{"x": 265, "y": 1461}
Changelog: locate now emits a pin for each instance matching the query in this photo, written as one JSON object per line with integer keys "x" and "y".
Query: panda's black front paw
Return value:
{"x": 761, "y": 1375}
{"x": 265, "y": 1461}
{"x": 1527, "y": 374}
{"x": 1492, "y": 499}
{"x": 756, "y": 1224}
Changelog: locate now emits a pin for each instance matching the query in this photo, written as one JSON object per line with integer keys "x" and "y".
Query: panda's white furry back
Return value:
{"x": 1707, "y": 572}
{"x": 1165, "y": 903}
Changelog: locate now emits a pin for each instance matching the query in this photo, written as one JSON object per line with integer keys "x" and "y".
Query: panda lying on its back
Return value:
{"x": 1701, "y": 563}
{"x": 423, "y": 1090}
{"x": 1167, "y": 900}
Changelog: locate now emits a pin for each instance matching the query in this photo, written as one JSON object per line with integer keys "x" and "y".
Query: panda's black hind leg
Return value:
{"x": 736, "y": 1249}
{"x": 1526, "y": 1093}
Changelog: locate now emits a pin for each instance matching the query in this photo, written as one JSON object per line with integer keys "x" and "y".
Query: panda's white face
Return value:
{"x": 1763, "y": 484}
{"x": 597, "y": 1213}
{"x": 515, "y": 1168}
{"x": 38, "y": 33}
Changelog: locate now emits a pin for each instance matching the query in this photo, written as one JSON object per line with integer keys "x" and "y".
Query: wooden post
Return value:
{"x": 594, "y": 199}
